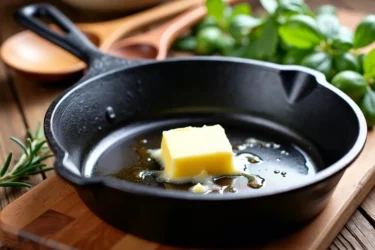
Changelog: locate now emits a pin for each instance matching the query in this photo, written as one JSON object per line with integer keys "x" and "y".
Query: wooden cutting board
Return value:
{"x": 52, "y": 216}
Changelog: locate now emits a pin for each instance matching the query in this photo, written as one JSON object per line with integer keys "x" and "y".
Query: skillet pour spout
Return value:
{"x": 92, "y": 125}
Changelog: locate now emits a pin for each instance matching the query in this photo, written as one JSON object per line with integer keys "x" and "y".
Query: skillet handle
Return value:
{"x": 71, "y": 40}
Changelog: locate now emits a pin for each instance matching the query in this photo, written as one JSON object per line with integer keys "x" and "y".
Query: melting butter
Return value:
{"x": 240, "y": 162}
{"x": 199, "y": 188}
{"x": 203, "y": 177}
{"x": 252, "y": 158}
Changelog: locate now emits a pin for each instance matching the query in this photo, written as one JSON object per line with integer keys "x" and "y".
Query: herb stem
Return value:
{"x": 31, "y": 161}
{"x": 24, "y": 158}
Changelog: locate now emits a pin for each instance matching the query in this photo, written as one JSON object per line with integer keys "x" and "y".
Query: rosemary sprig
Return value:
{"x": 31, "y": 161}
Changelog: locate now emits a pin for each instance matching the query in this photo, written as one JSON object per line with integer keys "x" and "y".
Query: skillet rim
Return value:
{"x": 61, "y": 156}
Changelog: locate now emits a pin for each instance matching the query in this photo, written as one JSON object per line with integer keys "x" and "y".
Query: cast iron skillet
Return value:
{"x": 117, "y": 101}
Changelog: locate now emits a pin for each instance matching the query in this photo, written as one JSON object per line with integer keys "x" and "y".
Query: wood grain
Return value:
{"x": 366, "y": 6}
{"x": 357, "y": 234}
{"x": 362, "y": 230}
{"x": 368, "y": 207}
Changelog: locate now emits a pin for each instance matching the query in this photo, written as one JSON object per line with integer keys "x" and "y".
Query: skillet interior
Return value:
{"x": 197, "y": 87}
{"x": 275, "y": 155}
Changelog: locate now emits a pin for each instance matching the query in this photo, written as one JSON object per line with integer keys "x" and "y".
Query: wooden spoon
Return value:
{"x": 30, "y": 54}
{"x": 155, "y": 43}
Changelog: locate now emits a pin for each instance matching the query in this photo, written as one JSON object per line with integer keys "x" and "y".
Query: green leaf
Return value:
{"x": 343, "y": 40}
{"x": 31, "y": 149}
{"x": 6, "y": 165}
{"x": 345, "y": 61}
{"x": 24, "y": 170}
{"x": 295, "y": 56}
{"x": 361, "y": 60}
{"x": 241, "y": 9}
{"x": 29, "y": 134}
{"x": 269, "y": 5}
{"x": 29, "y": 163}
{"x": 24, "y": 149}
{"x": 351, "y": 83}
{"x": 301, "y": 32}
{"x": 43, "y": 158}
{"x": 188, "y": 43}
{"x": 242, "y": 25}
{"x": 208, "y": 21}
{"x": 289, "y": 8}
{"x": 15, "y": 184}
{"x": 276, "y": 58}
{"x": 265, "y": 45}
{"x": 285, "y": 46}
{"x": 36, "y": 159}
{"x": 369, "y": 64}
{"x": 237, "y": 51}
{"x": 215, "y": 8}
{"x": 227, "y": 17}
{"x": 226, "y": 44}
{"x": 319, "y": 61}
{"x": 329, "y": 25}
{"x": 208, "y": 40}
{"x": 365, "y": 32}
{"x": 39, "y": 132}
{"x": 326, "y": 10}
{"x": 367, "y": 106}
{"x": 296, "y": 2}
{"x": 38, "y": 147}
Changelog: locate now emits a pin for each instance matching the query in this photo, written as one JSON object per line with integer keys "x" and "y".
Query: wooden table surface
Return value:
{"x": 23, "y": 103}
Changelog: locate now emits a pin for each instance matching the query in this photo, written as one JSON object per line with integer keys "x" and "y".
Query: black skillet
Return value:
{"x": 92, "y": 126}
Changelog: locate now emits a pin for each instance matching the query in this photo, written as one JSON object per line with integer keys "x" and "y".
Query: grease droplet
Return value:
{"x": 253, "y": 160}
{"x": 256, "y": 182}
{"x": 283, "y": 152}
{"x": 110, "y": 114}
{"x": 232, "y": 190}
{"x": 239, "y": 147}
{"x": 142, "y": 141}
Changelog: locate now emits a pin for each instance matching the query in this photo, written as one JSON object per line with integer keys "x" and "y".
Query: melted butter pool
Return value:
{"x": 266, "y": 164}
{"x": 272, "y": 156}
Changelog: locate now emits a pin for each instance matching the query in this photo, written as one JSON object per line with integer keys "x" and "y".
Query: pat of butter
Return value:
{"x": 187, "y": 152}
{"x": 199, "y": 188}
